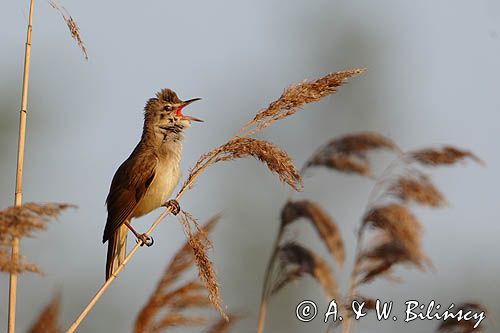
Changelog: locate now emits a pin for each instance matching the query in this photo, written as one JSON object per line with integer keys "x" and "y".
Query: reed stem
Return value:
{"x": 267, "y": 281}
{"x": 19, "y": 173}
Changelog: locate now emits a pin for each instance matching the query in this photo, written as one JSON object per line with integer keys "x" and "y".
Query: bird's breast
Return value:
{"x": 166, "y": 178}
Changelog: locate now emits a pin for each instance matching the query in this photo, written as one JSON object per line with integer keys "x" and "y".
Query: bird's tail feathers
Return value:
{"x": 117, "y": 250}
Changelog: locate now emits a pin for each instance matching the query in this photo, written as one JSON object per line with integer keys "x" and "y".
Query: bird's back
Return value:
{"x": 128, "y": 186}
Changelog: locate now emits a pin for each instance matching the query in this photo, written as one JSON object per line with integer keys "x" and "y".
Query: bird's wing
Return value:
{"x": 128, "y": 187}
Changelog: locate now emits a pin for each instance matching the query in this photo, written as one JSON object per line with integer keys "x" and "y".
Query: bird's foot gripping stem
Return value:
{"x": 174, "y": 206}
{"x": 145, "y": 240}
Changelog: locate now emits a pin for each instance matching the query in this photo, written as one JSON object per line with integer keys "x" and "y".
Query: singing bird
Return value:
{"x": 148, "y": 176}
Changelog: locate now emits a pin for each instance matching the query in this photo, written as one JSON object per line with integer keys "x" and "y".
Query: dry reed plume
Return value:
{"x": 398, "y": 241}
{"x": 200, "y": 243}
{"x": 296, "y": 260}
{"x": 396, "y": 233}
{"x": 291, "y": 261}
{"x": 150, "y": 318}
{"x": 276, "y": 159}
{"x": 74, "y": 30}
{"x": 446, "y": 155}
{"x": 297, "y": 96}
{"x": 241, "y": 145}
{"x": 48, "y": 319}
{"x": 320, "y": 220}
{"x": 168, "y": 304}
{"x": 389, "y": 235}
{"x": 419, "y": 189}
{"x": 23, "y": 221}
{"x": 349, "y": 153}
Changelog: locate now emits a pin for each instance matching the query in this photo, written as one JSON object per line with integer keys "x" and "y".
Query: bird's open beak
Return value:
{"x": 184, "y": 104}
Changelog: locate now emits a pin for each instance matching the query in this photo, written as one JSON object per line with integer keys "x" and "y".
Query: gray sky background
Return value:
{"x": 433, "y": 77}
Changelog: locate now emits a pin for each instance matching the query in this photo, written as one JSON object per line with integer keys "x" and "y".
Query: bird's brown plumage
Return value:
{"x": 149, "y": 175}
{"x": 128, "y": 187}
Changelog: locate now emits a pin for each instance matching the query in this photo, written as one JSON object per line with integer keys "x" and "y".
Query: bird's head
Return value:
{"x": 164, "y": 112}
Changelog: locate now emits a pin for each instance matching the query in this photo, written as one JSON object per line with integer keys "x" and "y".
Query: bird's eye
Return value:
{"x": 167, "y": 108}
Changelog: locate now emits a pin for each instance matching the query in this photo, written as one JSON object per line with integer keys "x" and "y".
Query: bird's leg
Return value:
{"x": 146, "y": 240}
{"x": 175, "y": 208}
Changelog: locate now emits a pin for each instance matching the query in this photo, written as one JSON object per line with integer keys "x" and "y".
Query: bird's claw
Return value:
{"x": 145, "y": 240}
{"x": 174, "y": 206}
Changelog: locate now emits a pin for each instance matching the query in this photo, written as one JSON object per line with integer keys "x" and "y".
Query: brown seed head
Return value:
{"x": 446, "y": 155}
{"x": 276, "y": 159}
{"x": 48, "y": 320}
{"x": 398, "y": 242}
{"x": 200, "y": 244}
{"x": 303, "y": 261}
{"x": 349, "y": 153}
{"x": 167, "y": 302}
{"x": 72, "y": 26}
{"x": 298, "y": 95}
{"x": 321, "y": 221}
{"x": 419, "y": 189}
{"x": 24, "y": 221}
